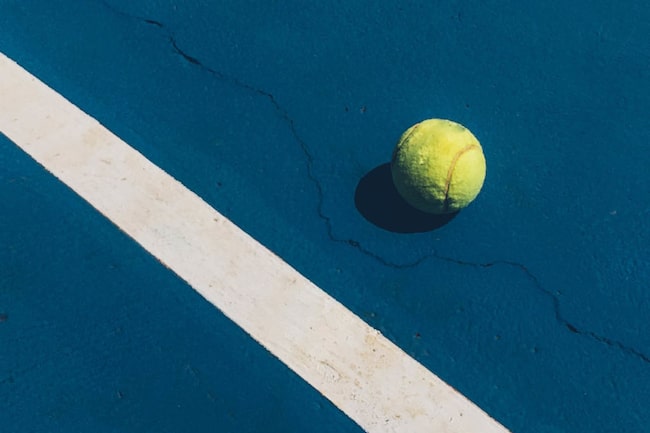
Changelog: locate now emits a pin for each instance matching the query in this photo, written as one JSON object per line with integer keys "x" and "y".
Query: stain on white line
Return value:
{"x": 364, "y": 374}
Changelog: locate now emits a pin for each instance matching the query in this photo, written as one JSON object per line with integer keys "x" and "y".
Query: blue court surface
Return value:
{"x": 533, "y": 302}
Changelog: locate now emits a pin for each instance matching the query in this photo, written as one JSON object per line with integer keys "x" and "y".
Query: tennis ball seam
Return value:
{"x": 450, "y": 172}
{"x": 404, "y": 139}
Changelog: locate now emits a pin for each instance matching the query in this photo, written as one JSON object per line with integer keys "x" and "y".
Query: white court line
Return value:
{"x": 364, "y": 374}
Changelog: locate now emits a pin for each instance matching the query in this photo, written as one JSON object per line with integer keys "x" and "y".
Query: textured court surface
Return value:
{"x": 364, "y": 374}
{"x": 532, "y": 302}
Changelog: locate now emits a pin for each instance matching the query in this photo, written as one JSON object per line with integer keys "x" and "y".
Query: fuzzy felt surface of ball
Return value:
{"x": 438, "y": 166}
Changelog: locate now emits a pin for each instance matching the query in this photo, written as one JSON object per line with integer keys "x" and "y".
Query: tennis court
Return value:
{"x": 531, "y": 303}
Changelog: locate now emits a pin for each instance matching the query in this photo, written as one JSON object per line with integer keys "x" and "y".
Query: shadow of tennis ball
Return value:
{"x": 378, "y": 201}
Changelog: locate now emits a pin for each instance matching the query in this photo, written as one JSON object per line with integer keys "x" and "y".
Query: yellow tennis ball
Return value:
{"x": 438, "y": 166}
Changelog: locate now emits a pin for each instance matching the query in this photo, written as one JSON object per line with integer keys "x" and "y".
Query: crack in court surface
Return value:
{"x": 552, "y": 296}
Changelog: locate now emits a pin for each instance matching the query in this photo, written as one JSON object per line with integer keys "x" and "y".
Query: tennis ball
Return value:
{"x": 438, "y": 166}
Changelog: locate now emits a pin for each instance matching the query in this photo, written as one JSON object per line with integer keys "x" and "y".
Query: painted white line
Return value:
{"x": 369, "y": 378}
